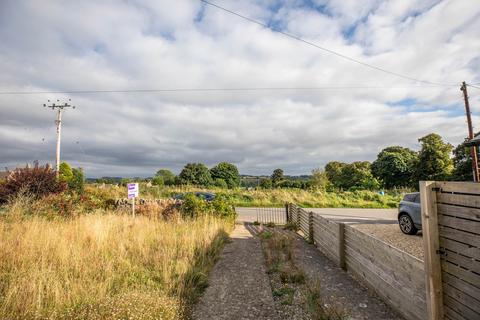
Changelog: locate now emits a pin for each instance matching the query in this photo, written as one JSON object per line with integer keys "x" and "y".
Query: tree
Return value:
{"x": 227, "y": 172}
{"x": 319, "y": 179}
{"x": 167, "y": 176}
{"x": 218, "y": 182}
{"x": 65, "y": 173}
{"x": 395, "y": 166}
{"x": 158, "y": 181}
{"x": 333, "y": 170}
{"x": 196, "y": 174}
{"x": 77, "y": 182}
{"x": 434, "y": 162}
{"x": 277, "y": 176}
{"x": 462, "y": 163}
{"x": 358, "y": 175}
{"x": 266, "y": 183}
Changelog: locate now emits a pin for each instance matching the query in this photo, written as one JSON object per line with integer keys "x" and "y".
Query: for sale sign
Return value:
{"x": 132, "y": 190}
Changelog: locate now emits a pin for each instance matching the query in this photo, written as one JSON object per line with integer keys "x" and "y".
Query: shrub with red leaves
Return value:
{"x": 38, "y": 182}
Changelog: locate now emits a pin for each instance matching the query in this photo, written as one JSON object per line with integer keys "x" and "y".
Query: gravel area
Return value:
{"x": 391, "y": 234}
{"x": 239, "y": 287}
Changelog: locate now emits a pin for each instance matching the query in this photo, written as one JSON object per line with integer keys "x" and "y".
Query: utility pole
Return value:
{"x": 59, "y": 107}
{"x": 473, "y": 149}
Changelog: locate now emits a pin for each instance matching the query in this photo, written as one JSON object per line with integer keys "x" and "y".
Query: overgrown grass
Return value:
{"x": 274, "y": 197}
{"x": 103, "y": 265}
{"x": 280, "y": 260}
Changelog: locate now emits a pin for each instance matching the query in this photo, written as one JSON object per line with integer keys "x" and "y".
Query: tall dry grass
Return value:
{"x": 102, "y": 265}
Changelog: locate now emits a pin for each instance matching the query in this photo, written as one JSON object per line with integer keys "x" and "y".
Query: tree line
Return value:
{"x": 394, "y": 167}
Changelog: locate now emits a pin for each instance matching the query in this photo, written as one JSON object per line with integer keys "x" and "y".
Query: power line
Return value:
{"x": 292, "y": 36}
{"x": 215, "y": 89}
{"x": 473, "y": 86}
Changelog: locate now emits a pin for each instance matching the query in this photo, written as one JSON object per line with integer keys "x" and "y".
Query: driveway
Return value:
{"x": 346, "y": 215}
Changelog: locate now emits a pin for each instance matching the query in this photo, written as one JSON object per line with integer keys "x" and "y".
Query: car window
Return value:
{"x": 417, "y": 198}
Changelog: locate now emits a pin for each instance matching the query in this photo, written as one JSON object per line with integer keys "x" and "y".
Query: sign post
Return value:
{"x": 132, "y": 194}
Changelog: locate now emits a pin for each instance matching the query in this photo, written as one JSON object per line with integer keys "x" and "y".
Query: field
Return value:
{"x": 276, "y": 197}
{"x": 103, "y": 265}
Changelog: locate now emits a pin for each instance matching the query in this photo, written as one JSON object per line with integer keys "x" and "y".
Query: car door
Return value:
{"x": 416, "y": 210}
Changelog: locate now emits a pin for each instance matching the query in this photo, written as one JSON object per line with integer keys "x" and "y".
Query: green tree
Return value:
{"x": 158, "y": 181}
{"x": 358, "y": 175}
{"x": 434, "y": 162}
{"x": 277, "y": 176}
{"x": 167, "y": 176}
{"x": 218, "y": 182}
{"x": 266, "y": 183}
{"x": 395, "y": 166}
{"x": 227, "y": 172}
{"x": 65, "y": 173}
{"x": 77, "y": 182}
{"x": 462, "y": 163}
{"x": 196, "y": 174}
{"x": 319, "y": 179}
{"x": 333, "y": 170}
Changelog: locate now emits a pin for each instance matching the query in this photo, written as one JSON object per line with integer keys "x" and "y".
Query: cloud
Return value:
{"x": 92, "y": 45}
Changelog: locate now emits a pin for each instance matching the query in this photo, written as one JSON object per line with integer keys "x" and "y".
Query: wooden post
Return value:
{"x": 341, "y": 245}
{"x": 133, "y": 207}
{"x": 286, "y": 213}
{"x": 433, "y": 269}
{"x": 310, "y": 227}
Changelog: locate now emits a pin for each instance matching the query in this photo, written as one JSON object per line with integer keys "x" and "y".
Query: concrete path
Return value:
{"x": 239, "y": 287}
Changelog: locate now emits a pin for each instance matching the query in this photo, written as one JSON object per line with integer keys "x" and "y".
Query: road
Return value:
{"x": 346, "y": 215}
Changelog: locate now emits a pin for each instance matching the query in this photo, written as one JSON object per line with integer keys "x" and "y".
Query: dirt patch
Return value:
{"x": 391, "y": 234}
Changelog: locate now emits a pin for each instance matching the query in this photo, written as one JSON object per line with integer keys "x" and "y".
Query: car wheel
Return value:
{"x": 406, "y": 224}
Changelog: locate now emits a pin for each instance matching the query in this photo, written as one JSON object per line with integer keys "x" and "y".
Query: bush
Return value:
{"x": 37, "y": 181}
{"x": 193, "y": 206}
{"x": 77, "y": 182}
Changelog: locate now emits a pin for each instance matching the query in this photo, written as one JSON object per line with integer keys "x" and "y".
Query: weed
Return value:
{"x": 256, "y": 223}
{"x": 266, "y": 235}
{"x": 291, "y": 226}
{"x": 270, "y": 225}
{"x": 320, "y": 309}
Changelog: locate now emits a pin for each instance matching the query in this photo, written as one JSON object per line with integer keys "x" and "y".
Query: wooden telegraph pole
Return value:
{"x": 58, "y": 122}
{"x": 473, "y": 149}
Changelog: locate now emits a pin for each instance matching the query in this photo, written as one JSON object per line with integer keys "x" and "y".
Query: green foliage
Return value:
{"x": 319, "y": 179}
{"x": 333, "y": 170}
{"x": 195, "y": 174}
{"x": 462, "y": 162}
{"x": 354, "y": 176}
{"x": 193, "y": 206}
{"x": 434, "y": 161}
{"x": 277, "y": 176}
{"x": 65, "y": 173}
{"x": 227, "y": 172}
{"x": 77, "y": 182}
{"x": 395, "y": 166}
{"x": 167, "y": 176}
{"x": 158, "y": 181}
{"x": 220, "y": 183}
{"x": 221, "y": 206}
{"x": 266, "y": 183}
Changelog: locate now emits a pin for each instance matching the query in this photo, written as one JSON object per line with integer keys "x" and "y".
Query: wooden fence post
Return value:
{"x": 286, "y": 212}
{"x": 341, "y": 245}
{"x": 310, "y": 227}
{"x": 431, "y": 246}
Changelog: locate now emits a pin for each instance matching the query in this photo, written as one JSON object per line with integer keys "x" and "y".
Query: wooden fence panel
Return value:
{"x": 394, "y": 275}
{"x": 457, "y": 210}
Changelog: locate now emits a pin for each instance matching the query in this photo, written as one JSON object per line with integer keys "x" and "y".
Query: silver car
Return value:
{"x": 409, "y": 213}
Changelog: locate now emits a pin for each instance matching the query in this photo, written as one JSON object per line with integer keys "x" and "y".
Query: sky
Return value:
{"x": 186, "y": 44}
